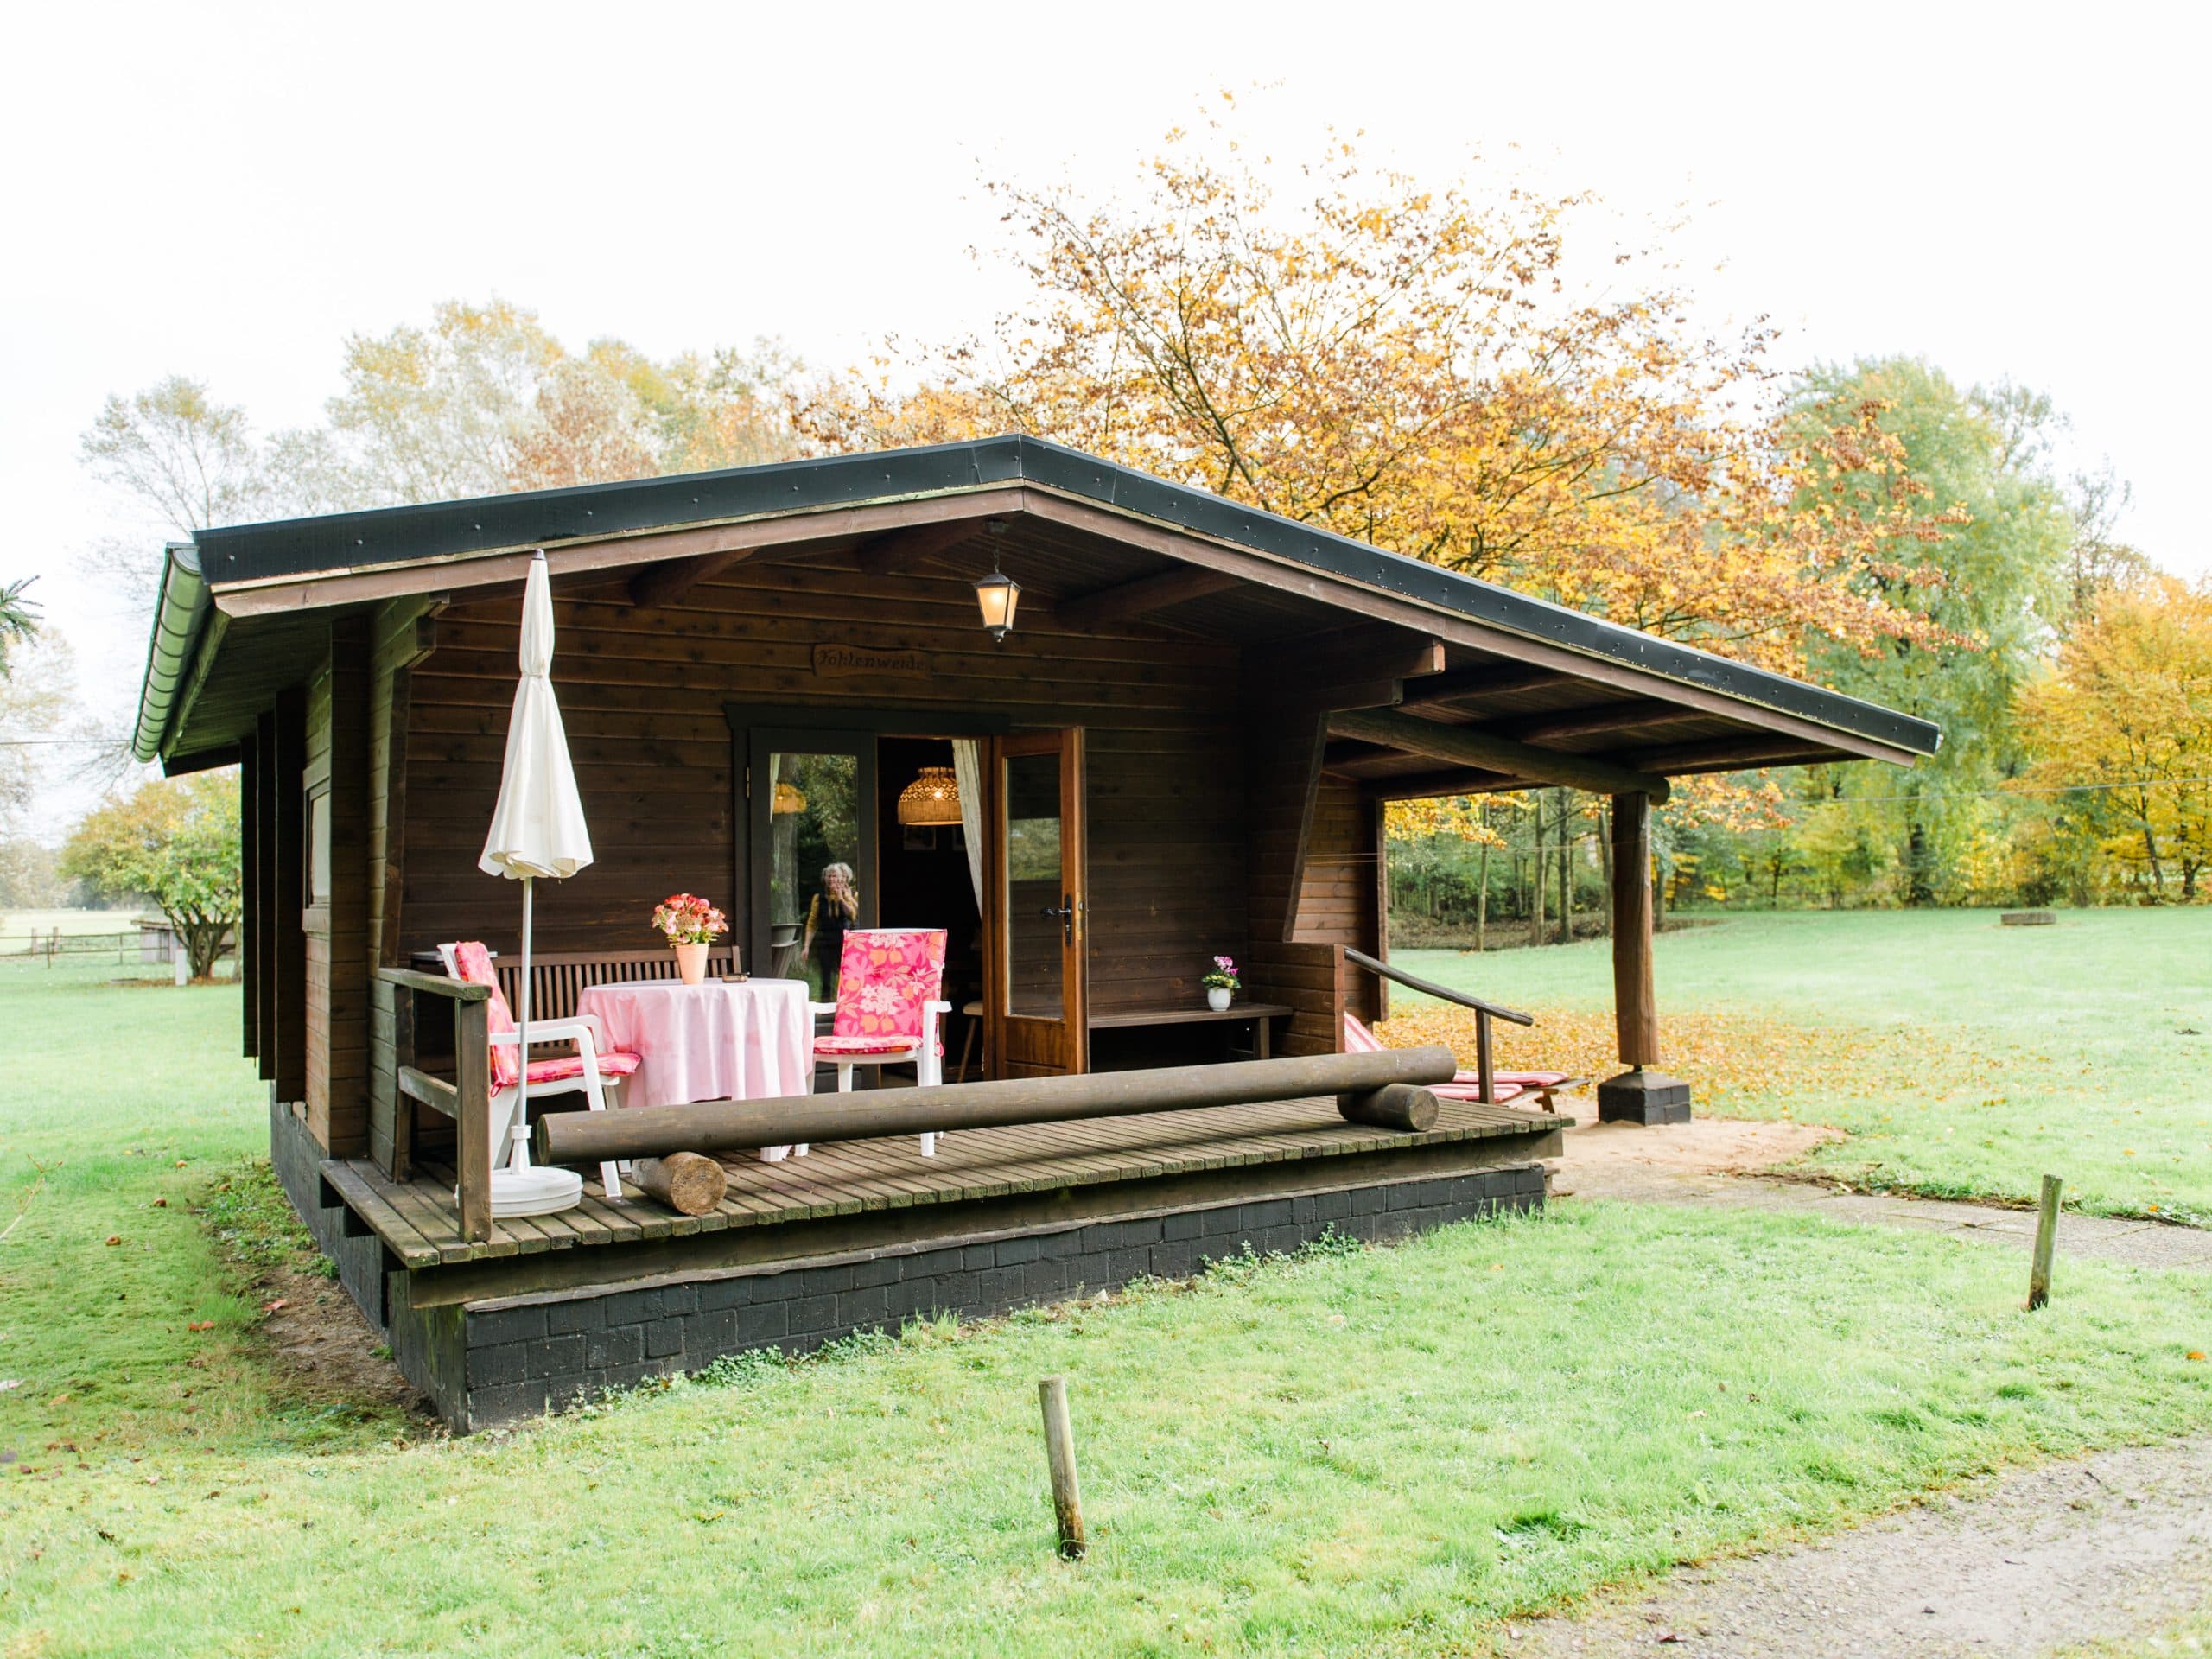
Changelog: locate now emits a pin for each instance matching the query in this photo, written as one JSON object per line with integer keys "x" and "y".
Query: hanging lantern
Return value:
{"x": 933, "y": 798}
{"x": 787, "y": 800}
{"x": 997, "y": 594}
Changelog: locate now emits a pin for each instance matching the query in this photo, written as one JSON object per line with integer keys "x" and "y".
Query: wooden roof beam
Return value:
{"x": 1593, "y": 719}
{"x": 1441, "y": 693}
{"x": 881, "y": 555}
{"x": 1751, "y": 749}
{"x": 1128, "y": 600}
{"x": 658, "y": 585}
{"x": 1464, "y": 746}
{"x": 1427, "y": 786}
{"x": 901, "y": 550}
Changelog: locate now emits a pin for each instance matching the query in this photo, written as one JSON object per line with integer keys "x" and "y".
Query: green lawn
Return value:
{"x": 1977, "y": 1057}
{"x": 1376, "y": 1453}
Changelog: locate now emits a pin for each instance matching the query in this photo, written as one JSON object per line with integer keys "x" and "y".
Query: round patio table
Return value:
{"x": 752, "y": 1040}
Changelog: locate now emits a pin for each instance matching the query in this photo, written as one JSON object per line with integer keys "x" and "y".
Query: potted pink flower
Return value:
{"x": 689, "y": 923}
{"x": 1221, "y": 984}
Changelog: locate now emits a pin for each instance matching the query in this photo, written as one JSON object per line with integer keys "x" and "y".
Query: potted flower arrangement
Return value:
{"x": 689, "y": 923}
{"x": 1221, "y": 984}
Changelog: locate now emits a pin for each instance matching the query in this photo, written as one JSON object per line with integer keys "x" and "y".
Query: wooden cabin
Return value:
{"x": 1192, "y": 727}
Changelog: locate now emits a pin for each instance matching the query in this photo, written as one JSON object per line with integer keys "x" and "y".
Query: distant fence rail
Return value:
{"x": 146, "y": 946}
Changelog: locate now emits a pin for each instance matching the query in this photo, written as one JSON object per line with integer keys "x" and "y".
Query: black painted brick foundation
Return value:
{"x": 494, "y": 1361}
{"x": 363, "y": 1263}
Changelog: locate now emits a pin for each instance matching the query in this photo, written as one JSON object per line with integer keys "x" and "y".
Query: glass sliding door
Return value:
{"x": 810, "y": 822}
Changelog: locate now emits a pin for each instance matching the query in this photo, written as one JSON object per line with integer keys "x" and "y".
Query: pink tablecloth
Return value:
{"x": 716, "y": 1041}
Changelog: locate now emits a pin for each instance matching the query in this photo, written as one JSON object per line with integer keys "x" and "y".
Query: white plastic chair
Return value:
{"x": 887, "y": 1010}
{"x": 596, "y": 1070}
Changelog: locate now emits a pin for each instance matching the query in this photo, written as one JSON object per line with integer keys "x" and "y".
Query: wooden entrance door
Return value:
{"x": 1035, "y": 919}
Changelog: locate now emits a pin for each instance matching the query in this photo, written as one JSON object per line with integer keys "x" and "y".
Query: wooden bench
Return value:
{"x": 1261, "y": 1015}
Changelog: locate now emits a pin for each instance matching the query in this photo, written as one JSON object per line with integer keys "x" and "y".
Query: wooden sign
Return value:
{"x": 841, "y": 661}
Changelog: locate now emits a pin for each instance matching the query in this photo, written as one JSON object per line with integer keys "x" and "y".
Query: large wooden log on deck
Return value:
{"x": 733, "y": 1125}
{"x": 1401, "y": 1106}
{"x": 689, "y": 1183}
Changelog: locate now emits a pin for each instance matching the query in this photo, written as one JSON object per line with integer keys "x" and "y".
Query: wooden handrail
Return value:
{"x": 436, "y": 1093}
{"x": 467, "y": 1100}
{"x": 459, "y": 990}
{"x": 1429, "y": 988}
{"x": 1485, "y": 1072}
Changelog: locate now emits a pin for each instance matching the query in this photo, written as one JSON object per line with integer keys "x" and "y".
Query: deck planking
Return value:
{"x": 417, "y": 1221}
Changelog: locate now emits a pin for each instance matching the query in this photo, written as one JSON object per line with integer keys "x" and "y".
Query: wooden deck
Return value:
{"x": 417, "y": 1222}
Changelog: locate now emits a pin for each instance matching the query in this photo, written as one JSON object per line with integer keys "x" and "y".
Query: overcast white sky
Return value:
{"x": 226, "y": 190}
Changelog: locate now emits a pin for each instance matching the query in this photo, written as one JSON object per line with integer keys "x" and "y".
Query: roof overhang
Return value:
{"x": 265, "y": 570}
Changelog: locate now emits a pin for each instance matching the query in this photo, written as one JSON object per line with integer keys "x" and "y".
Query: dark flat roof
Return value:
{"x": 492, "y": 524}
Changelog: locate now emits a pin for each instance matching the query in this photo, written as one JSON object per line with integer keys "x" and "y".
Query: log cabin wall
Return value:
{"x": 643, "y": 695}
{"x": 400, "y": 634}
{"x": 1340, "y": 898}
{"x": 1167, "y": 864}
{"x": 332, "y": 903}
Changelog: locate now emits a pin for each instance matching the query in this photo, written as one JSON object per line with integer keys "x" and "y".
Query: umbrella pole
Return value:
{"x": 519, "y": 1154}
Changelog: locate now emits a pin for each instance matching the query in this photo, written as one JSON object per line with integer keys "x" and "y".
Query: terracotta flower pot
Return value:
{"x": 691, "y": 963}
{"x": 1217, "y": 999}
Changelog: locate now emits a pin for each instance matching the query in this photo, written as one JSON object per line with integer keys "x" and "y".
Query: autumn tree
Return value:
{"x": 1989, "y": 590}
{"x": 1427, "y": 369}
{"x": 174, "y": 842}
{"x": 2125, "y": 720}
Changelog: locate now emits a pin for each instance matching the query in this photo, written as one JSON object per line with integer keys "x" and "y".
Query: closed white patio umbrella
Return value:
{"x": 537, "y": 828}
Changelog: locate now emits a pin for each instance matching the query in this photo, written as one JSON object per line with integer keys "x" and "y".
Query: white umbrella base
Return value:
{"x": 535, "y": 1192}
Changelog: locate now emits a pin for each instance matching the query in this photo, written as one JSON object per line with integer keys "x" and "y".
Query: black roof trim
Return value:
{"x": 492, "y": 524}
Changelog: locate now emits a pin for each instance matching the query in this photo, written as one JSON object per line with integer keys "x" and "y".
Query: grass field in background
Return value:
{"x": 1378, "y": 1452}
{"x": 1966, "y": 1059}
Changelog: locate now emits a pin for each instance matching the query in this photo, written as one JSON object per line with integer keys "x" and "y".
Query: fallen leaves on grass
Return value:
{"x": 1727, "y": 1054}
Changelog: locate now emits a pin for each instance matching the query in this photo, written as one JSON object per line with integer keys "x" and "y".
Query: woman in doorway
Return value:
{"x": 829, "y": 913}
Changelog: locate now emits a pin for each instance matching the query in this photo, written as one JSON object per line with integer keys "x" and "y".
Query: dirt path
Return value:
{"x": 1717, "y": 1160}
{"x": 2114, "y": 1546}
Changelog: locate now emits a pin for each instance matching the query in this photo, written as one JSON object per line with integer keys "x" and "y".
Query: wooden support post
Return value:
{"x": 1637, "y": 1096}
{"x": 2046, "y": 1242}
{"x": 472, "y": 1041}
{"x": 1059, "y": 1461}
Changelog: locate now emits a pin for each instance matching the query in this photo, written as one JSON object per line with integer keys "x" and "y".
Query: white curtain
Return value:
{"x": 968, "y": 773}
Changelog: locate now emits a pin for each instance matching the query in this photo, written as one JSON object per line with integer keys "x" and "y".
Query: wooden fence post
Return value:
{"x": 1059, "y": 1458}
{"x": 2046, "y": 1242}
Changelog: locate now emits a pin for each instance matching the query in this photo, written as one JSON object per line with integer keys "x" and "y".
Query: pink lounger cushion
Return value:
{"x": 562, "y": 1067}
{"x": 1465, "y": 1085}
{"x": 1469, "y": 1088}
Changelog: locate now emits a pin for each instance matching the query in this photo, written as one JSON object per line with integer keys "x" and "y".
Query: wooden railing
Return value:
{"x": 1486, "y": 1090}
{"x": 467, "y": 1100}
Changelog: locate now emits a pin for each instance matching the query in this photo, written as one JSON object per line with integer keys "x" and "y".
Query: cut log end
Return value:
{"x": 1405, "y": 1107}
{"x": 689, "y": 1182}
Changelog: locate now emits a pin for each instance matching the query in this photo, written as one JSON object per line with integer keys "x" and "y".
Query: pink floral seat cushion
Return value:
{"x": 884, "y": 977}
{"x": 564, "y": 1068}
{"x": 834, "y": 1045}
{"x": 472, "y": 963}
